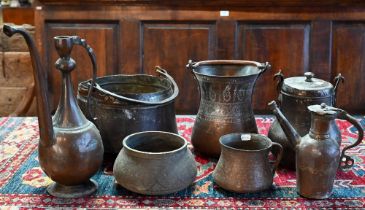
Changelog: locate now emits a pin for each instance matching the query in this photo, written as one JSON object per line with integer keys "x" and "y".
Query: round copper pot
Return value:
{"x": 154, "y": 163}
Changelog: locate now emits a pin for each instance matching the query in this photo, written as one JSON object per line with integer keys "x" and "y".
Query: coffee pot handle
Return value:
{"x": 345, "y": 160}
{"x": 278, "y": 158}
{"x": 82, "y": 42}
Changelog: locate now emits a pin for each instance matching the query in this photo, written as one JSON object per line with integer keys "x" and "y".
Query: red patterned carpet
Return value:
{"x": 22, "y": 182}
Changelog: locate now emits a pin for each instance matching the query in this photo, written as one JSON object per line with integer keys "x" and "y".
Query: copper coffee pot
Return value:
{"x": 318, "y": 152}
{"x": 70, "y": 147}
{"x": 295, "y": 95}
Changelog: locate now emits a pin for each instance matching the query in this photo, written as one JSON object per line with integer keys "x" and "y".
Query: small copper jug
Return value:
{"x": 226, "y": 88}
{"x": 244, "y": 163}
{"x": 70, "y": 147}
{"x": 318, "y": 153}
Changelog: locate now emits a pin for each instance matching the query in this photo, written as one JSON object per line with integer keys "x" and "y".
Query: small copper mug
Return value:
{"x": 244, "y": 164}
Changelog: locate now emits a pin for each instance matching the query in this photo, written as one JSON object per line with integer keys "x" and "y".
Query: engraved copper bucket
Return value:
{"x": 225, "y": 101}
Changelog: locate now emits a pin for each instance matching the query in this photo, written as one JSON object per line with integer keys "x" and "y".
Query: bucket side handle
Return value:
{"x": 190, "y": 65}
{"x": 263, "y": 67}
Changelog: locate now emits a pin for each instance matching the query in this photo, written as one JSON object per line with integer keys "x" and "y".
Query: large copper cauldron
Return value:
{"x": 225, "y": 103}
{"x": 125, "y": 104}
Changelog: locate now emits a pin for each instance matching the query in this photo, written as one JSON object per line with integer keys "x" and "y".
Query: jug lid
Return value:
{"x": 322, "y": 109}
{"x": 307, "y": 86}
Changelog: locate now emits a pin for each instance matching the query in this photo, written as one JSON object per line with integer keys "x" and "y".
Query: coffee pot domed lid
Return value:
{"x": 307, "y": 86}
{"x": 323, "y": 109}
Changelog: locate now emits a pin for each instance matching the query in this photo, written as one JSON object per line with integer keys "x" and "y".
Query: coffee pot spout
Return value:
{"x": 44, "y": 116}
{"x": 290, "y": 132}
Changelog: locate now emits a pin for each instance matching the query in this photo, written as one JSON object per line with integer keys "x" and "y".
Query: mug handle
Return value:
{"x": 278, "y": 158}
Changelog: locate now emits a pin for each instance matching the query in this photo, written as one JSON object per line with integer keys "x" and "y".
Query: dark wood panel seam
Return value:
{"x": 210, "y": 24}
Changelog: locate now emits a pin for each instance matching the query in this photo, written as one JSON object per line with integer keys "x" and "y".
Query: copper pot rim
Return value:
{"x": 261, "y": 136}
{"x": 199, "y": 64}
{"x": 140, "y": 153}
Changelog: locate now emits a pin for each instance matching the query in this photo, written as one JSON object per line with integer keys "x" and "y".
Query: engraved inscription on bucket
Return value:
{"x": 227, "y": 102}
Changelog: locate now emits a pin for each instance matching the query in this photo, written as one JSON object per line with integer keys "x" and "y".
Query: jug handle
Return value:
{"x": 278, "y": 158}
{"x": 345, "y": 160}
{"x": 82, "y": 42}
{"x": 280, "y": 79}
{"x": 338, "y": 79}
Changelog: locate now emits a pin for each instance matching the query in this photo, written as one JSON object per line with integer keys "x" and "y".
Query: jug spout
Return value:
{"x": 44, "y": 116}
{"x": 290, "y": 132}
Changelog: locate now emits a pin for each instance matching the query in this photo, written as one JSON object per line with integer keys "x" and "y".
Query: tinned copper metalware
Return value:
{"x": 154, "y": 163}
{"x": 244, "y": 163}
{"x": 318, "y": 153}
{"x": 295, "y": 94}
{"x": 124, "y": 104}
{"x": 226, "y": 88}
{"x": 70, "y": 147}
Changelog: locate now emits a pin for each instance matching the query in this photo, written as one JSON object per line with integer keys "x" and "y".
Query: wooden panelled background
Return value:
{"x": 133, "y": 38}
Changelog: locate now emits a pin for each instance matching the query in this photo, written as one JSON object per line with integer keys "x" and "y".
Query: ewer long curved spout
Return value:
{"x": 44, "y": 115}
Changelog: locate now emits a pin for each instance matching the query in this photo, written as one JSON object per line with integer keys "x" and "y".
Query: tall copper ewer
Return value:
{"x": 226, "y": 88}
{"x": 70, "y": 147}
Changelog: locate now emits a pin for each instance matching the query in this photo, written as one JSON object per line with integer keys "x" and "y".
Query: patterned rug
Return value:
{"x": 23, "y": 184}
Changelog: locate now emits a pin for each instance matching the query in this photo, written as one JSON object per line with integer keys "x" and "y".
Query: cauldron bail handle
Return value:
{"x": 164, "y": 73}
{"x": 123, "y": 98}
{"x": 345, "y": 160}
{"x": 82, "y": 42}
